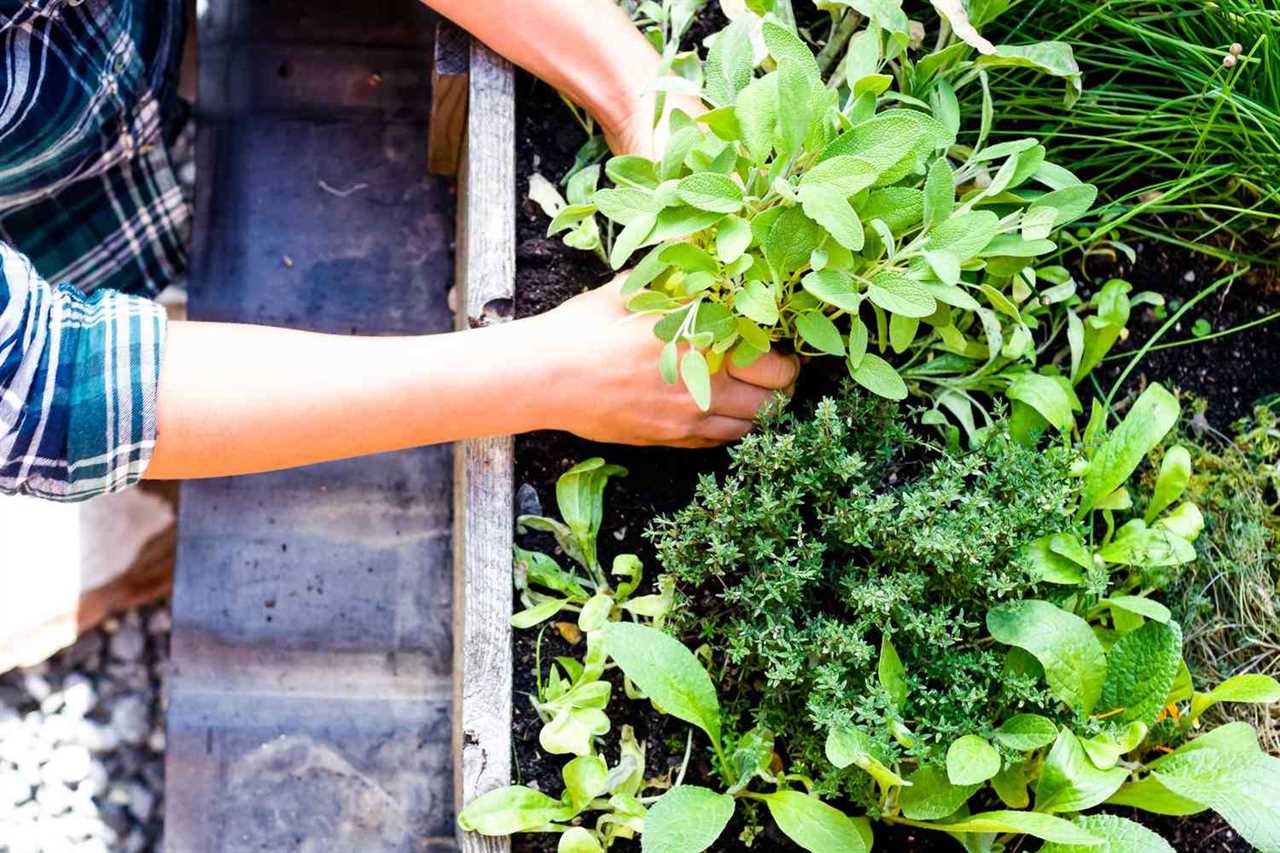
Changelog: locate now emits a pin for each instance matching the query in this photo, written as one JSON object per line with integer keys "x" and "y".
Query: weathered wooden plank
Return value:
{"x": 483, "y": 469}
{"x": 448, "y": 99}
{"x": 311, "y": 690}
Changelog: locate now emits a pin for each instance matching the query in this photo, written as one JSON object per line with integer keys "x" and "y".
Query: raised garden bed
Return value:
{"x": 1221, "y": 371}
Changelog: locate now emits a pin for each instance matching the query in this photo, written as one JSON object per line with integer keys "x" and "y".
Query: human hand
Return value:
{"x": 634, "y": 132}
{"x": 607, "y": 387}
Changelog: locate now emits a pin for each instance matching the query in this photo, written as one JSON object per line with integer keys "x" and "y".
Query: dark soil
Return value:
{"x": 1228, "y": 372}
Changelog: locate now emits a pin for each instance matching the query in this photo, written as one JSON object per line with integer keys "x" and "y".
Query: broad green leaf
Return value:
{"x": 964, "y": 234}
{"x": 757, "y": 112}
{"x": 831, "y": 209}
{"x": 891, "y": 142}
{"x": 898, "y": 294}
{"x": 595, "y": 613}
{"x": 931, "y": 796}
{"x": 1140, "y": 605}
{"x": 730, "y": 62}
{"x": 571, "y": 730}
{"x": 899, "y": 208}
{"x": 1048, "y": 57}
{"x": 1010, "y": 785}
{"x": 1070, "y": 202}
{"x": 891, "y": 673}
{"x": 1150, "y": 796}
{"x": 580, "y": 496}
{"x": 1120, "y": 835}
{"x": 697, "y": 377}
{"x": 1050, "y": 396}
{"x": 886, "y": 14}
{"x": 511, "y": 809}
{"x": 686, "y": 819}
{"x": 632, "y": 171}
{"x": 676, "y": 223}
{"x": 650, "y": 267}
{"x": 878, "y": 376}
{"x": 939, "y": 193}
{"x": 971, "y": 760}
{"x": 689, "y": 258}
{"x": 1236, "y": 780}
{"x": 1104, "y": 749}
{"x": 1045, "y": 826}
{"x": 538, "y": 613}
{"x": 624, "y": 204}
{"x": 798, "y": 89}
{"x": 755, "y": 300}
{"x": 845, "y": 174}
{"x": 814, "y": 825}
{"x": 1074, "y": 662}
{"x": 585, "y": 778}
{"x": 783, "y": 44}
{"x": 752, "y": 754}
{"x": 1148, "y": 421}
{"x": 848, "y": 745}
{"x": 577, "y": 839}
{"x": 1037, "y": 222}
{"x": 834, "y": 288}
{"x": 955, "y": 14}
{"x": 1175, "y": 474}
{"x": 732, "y": 239}
{"x": 632, "y": 237}
{"x": 1025, "y": 732}
{"x": 1135, "y": 544}
{"x": 1184, "y": 521}
{"x": 791, "y": 240}
{"x": 817, "y": 330}
{"x": 1069, "y": 782}
{"x": 666, "y": 672}
{"x": 1050, "y": 566}
{"x": 710, "y": 191}
{"x": 1254, "y": 688}
{"x": 1015, "y": 246}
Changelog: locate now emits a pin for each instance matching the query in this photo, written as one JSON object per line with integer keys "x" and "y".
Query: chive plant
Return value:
{"x": 1180, "y": 124}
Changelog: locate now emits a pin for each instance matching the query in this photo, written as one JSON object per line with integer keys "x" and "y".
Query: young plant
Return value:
{"x": 986, "y": 630}
{"x": 843, "y": 216}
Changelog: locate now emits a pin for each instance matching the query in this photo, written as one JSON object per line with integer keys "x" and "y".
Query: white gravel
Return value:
{"x": 82, "y": 743}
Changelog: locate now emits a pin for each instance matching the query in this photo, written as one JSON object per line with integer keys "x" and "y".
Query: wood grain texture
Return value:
{"x": 448, "y": 99}
{"x": 484, "y": 468}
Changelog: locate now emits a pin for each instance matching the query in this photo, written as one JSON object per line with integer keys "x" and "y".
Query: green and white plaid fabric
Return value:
{"x": 88, "y": 195}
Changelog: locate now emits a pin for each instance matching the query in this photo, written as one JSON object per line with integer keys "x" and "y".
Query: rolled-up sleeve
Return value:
{"x": 78, "y": 379}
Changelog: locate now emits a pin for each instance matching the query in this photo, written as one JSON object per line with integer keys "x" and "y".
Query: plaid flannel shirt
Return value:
{"x": 89, "y": 197}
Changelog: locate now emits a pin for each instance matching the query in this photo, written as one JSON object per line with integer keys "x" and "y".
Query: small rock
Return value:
{"x": 141, "y": 801}
{"x": 128, "y": 643}
{"x": 1189, "y": 276}
{"x": 36, "y": 685}
{"x": 13, "y": 790}
{"x": 131, "y": 719}
{"x": 527, "y": 502}
{"x": 54, "y": 799}
{"x": 78, "y": 695}
{"x": 156, "y": 741}
{"x": 95, "y": 782}
{"x": 135, "y": 843}
{"x": 68, "y": 764}
{"x": 160, "y": 622}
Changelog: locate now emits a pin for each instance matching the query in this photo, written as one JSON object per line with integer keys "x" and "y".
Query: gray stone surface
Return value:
{"x": 312, "y": 628}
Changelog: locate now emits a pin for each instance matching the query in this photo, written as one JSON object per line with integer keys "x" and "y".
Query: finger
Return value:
{"x": 771, "y": 370}
{"x": 719, "y": 429}
{"x": 735, "y": 399}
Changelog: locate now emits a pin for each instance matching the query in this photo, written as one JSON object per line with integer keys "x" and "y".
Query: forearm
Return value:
{"x": 587, "y": 49}
{"x": 236, "y": 399}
